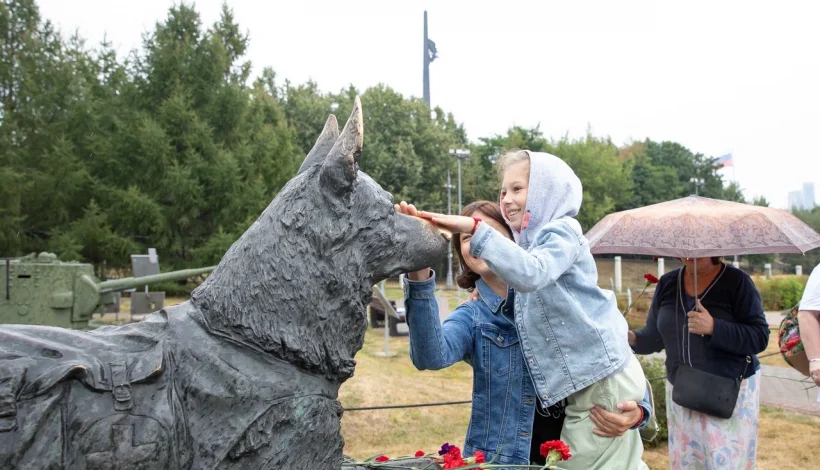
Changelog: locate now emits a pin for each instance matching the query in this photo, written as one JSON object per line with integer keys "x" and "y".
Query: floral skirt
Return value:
{"x": 700, "y": 441}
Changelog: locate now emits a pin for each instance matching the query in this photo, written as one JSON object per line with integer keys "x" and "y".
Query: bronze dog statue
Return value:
{"x": 246, "y": 373}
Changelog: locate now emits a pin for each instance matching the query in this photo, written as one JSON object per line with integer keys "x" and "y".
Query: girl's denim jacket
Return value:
{"x": 571, "y": 331}
{"x": 481, "y": 332}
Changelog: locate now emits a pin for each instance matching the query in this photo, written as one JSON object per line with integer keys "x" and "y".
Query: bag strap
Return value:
{"x": 748, "y": 361}
{"x": 686, "y": 334}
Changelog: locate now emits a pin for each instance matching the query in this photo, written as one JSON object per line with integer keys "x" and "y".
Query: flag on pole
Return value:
{"x": 432, "y": 53}
{"x": 724, "y": 161}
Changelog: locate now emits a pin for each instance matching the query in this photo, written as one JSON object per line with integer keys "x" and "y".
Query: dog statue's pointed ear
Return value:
{"x": 342, "y": 163}
{"x": 322, "y": 146}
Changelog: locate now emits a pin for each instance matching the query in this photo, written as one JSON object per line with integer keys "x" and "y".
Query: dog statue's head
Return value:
{"x": 296, "y": 283}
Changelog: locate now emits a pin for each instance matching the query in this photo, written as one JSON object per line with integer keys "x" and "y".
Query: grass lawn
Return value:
{"x": 786, "y": 440}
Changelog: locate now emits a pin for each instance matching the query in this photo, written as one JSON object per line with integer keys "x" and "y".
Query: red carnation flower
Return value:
{"x": 555, "y": 446}
{"x": 419, "y": 453}
{"x": 478, "y": 457}
{"x": 382, "y": 458}
{"x": 453, "y": 458}
{"x": 650, "y": 278}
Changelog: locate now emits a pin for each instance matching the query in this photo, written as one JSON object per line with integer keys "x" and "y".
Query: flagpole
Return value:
{"x": 734, "y": 168}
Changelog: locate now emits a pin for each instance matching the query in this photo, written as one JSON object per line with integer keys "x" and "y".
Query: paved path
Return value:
{"x": 774, "y": 318}
{"x": 786, "y": 388}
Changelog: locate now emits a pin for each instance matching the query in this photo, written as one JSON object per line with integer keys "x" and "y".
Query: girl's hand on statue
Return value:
{"x": 406, "y": 209}
{"x": 453, "y": 223}
{"x": 410, "y": 209}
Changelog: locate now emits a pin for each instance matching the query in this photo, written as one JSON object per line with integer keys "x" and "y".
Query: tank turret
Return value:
{"x": 41, "y": 290}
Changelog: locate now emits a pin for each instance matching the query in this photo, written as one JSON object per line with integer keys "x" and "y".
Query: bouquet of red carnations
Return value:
{"x": 449, "y": 457}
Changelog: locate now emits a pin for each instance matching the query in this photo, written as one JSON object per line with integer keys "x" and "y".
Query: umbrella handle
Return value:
{"x": 696, "y": 284}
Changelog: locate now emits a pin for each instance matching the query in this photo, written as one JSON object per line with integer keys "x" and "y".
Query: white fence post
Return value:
{"x": 628, "y": 297}
{"x": 661, "y": 268}
{"x": 618, "y": 279}
{"x": 388, "y": 311}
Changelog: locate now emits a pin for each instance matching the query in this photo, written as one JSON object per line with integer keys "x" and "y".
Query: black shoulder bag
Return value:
{"x": 698, "y": 390}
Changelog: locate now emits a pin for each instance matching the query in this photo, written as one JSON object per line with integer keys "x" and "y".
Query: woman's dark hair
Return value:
{"x": 467, "y": 278}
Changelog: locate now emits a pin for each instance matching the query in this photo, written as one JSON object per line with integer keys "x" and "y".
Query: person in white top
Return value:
{"x": 809, "y": 318}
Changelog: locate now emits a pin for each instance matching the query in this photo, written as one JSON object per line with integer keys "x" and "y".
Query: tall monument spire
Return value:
{"x": 430, "y": 55}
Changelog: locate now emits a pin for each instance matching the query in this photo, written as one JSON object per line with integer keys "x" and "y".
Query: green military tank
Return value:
{"x": 41, "y": 290}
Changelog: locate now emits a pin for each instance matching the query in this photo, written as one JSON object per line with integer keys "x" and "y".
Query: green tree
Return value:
{"x": 606, "y": 180}
{"x": 42, "y": 82}
{"x": 597, "y": 162}
{"x": 756, "y": 262}
{"x": 733, "y": 192}
{"x": 811, "y": 258}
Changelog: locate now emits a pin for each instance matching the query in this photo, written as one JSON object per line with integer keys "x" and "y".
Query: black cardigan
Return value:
{"x": 740, "y": 328}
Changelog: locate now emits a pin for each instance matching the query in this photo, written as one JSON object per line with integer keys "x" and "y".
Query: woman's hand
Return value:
{"x": 631, "y": 338}
{"x": 608, "y": 424}
{"x": 700, "y": 321}
{"x": 814, "y": 372}
{"x": 410, "y": 209}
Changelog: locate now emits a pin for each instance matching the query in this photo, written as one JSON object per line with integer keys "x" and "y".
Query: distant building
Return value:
{"x": 808, "y": 195}
{"x": 802, "y": 200}
{"x": 795, "y": 200}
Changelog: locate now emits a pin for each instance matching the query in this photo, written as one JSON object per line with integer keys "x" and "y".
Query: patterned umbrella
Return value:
{"x": 699, "y": 227}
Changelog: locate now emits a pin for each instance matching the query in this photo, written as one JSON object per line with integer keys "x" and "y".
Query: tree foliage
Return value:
{"x": 175, "y": 147}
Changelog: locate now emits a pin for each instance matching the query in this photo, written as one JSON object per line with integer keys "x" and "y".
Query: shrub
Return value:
{"x": 655, "y": 369}
{"x": 781, "y": 293}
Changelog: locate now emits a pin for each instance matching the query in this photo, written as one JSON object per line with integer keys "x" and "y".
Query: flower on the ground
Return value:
{"x": 445, "y": 448}
{"x": 650, "y": 278}
{"x": 453, "y": 458}
{"x": 478, "y": 457}
{"x": 555, "y": 451}
{"x": 450, "y": 457}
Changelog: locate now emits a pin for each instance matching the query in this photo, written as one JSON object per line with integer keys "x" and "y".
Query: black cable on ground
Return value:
{"x": 418, "y": 405}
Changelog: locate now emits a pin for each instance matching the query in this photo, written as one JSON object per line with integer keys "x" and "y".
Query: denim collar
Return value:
{"x": 490, "y": 298}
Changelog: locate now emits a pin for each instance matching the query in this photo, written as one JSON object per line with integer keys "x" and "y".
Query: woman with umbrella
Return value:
{"x": 720, "y": 333}
{"x": 707, "y": 315}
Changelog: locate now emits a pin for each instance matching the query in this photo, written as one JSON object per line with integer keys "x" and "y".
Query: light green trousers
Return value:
{"x": 594, "y": 452}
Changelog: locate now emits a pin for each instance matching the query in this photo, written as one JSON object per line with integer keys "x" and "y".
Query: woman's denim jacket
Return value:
{"x": 481, "y": 333}
{"x": 571, "y": 331}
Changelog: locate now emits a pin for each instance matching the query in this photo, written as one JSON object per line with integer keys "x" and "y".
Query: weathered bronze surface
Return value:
{"x": 246, "y": 373}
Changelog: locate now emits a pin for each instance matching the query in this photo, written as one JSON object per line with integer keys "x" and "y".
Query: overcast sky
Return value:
{"x": 715, "y": 76}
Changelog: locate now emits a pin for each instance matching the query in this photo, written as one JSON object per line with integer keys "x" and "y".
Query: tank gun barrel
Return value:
{"x": 115, "y": 285}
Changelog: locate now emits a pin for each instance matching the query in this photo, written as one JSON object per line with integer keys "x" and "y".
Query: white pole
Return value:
{"x": 628, "y": 296}
{"x": 661, "y": 267}
{"x": 798, "y": 270}
{"x": 618, "y": 283}
{"x": 386, "y": 329}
